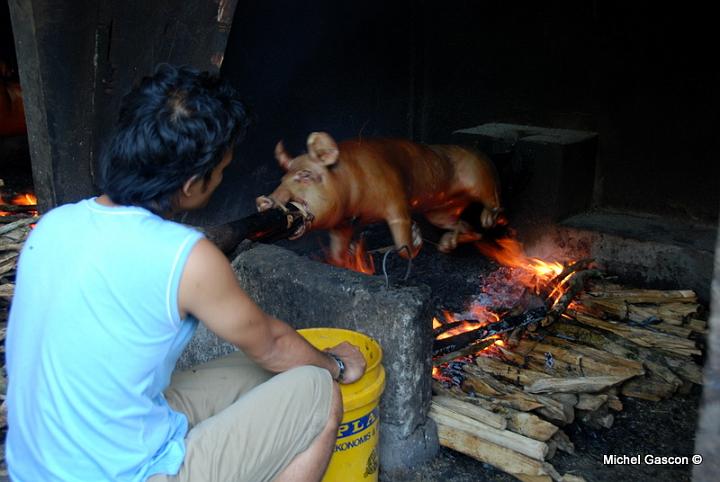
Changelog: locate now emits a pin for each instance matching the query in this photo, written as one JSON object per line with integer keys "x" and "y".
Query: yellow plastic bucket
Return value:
{"x": 355, "y": 458}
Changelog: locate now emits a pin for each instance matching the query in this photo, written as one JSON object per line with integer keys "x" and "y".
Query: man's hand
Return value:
{"x": 353, "y": 359}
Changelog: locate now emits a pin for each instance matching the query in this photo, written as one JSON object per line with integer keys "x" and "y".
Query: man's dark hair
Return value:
{"x": 174, "y": 125}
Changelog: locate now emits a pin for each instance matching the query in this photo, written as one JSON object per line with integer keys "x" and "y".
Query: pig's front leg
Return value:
{"x": 406, "y": 235}
{"x": 339, "y": 244}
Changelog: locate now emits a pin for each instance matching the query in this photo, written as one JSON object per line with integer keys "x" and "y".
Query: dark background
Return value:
{"x": 640, "y": 74}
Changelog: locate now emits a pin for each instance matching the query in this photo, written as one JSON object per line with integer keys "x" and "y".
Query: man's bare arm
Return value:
{"x": 210, "y": 291}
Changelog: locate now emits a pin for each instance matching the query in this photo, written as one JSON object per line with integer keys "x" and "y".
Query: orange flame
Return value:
{"x": 26, "y": 199}
{"x": 509, "y": 252}
{"x": 357, "y": 259}
{"x": 531, "y": 272}
{"x": 482, "y": 315}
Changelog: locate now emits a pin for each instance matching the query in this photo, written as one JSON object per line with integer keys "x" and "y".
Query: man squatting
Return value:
{"x": 109, "y": 292}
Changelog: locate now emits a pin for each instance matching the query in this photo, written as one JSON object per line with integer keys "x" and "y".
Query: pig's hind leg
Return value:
{"x": 458, "y": 231}
{"x": 406, "y": 235}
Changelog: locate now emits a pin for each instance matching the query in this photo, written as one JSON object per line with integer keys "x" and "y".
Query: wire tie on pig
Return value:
{"x": 384, "y": 265}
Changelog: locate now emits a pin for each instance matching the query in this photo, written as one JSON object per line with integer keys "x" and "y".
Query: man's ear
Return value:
{"x": 323, "y": 148}
{"x": 188, "y": 185}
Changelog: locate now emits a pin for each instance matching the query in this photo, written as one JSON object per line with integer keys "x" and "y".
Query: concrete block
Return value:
{"x": 546, "y": 174}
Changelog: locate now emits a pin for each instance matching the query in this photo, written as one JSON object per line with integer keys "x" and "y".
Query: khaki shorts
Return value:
{"x": 245, "y": 423}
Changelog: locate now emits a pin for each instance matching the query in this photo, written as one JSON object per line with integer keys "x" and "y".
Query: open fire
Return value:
{"x": 25, "y": 203}
{"x": 545, "y": 344}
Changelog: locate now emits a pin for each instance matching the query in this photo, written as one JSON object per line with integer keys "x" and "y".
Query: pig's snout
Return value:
{"x": 264, "y": 203}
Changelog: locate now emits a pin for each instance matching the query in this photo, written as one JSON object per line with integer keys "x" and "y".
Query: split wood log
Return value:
{"x": 643, "y": 337}
{"x": 590, "y": 402}
{"x": 552, "y": 449}
{"x": 614, "y": 403}
{"x": 619, "y": 346}
{"x": 601, "y": 356}
{"x": 597, "y": 418}
{"x": 445, "y": 327}
{"x": 574, "y": 287}
{"x": 698, "y": 326}
{"x": 575, "y": 385}
{"x": 18, "y": 208}
{"x": 509, "y": 355}
{"x": 10, "y": 246}
{"x": 475, "y": 412}
{"x": 568, "y": 399}
{"x": 563, "y": 442}
{"x": 670, "y": 314}
{"x": 454, "y": 343}
{"x": 7, "y": 290}
{"x": 648, "y": 387}
{"x": 524, "y": 423}
{"x": 583, "y": 362}
{"x": 687, "y": 369}
{"x": 20, "y": 223}
{"x": 471, "y": 349}
{"x": 572, "y": 268}
{"x": 8, "y": 265}
{"x": 479, "y": 382}
{"x": 531, "y": 425}
{"x": 11, "y": 218}
{"x": 535, "y": 478}
{"x": 647, "y": 296}
{"x": 482, "y": 385}
{"x": 513, "y": 374}
{"x": 571, "y": 478}
{"x": 503, "y": 438}
{"x": 514, "y": 463}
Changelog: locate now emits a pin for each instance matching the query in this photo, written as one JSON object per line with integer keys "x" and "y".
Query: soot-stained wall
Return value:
{"x": 341, "y": 67}
{"x": 640, "y": 75}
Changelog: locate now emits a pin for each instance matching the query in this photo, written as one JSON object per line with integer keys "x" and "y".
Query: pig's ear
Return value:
{"x": 283, "y": 158}
{"x": 323, "y": 148}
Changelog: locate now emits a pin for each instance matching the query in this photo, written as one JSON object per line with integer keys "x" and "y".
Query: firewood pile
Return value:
{"x": 504, "y": 392}
{"x": 14, "y": 230}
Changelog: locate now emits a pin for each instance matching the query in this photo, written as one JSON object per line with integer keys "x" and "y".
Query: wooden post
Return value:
{"x": 77, "y": 60}
{"x": 707, "y": 438}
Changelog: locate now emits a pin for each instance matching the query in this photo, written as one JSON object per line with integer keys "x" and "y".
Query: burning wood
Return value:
{"x": 570, "y": 359}
{"x": 446, "y": 345}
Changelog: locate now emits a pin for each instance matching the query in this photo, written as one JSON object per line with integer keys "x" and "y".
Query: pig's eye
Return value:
{"x": 305, "y": 176}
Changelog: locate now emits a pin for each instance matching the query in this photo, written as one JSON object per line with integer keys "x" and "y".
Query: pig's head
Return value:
{"x": 309, "y": 181}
